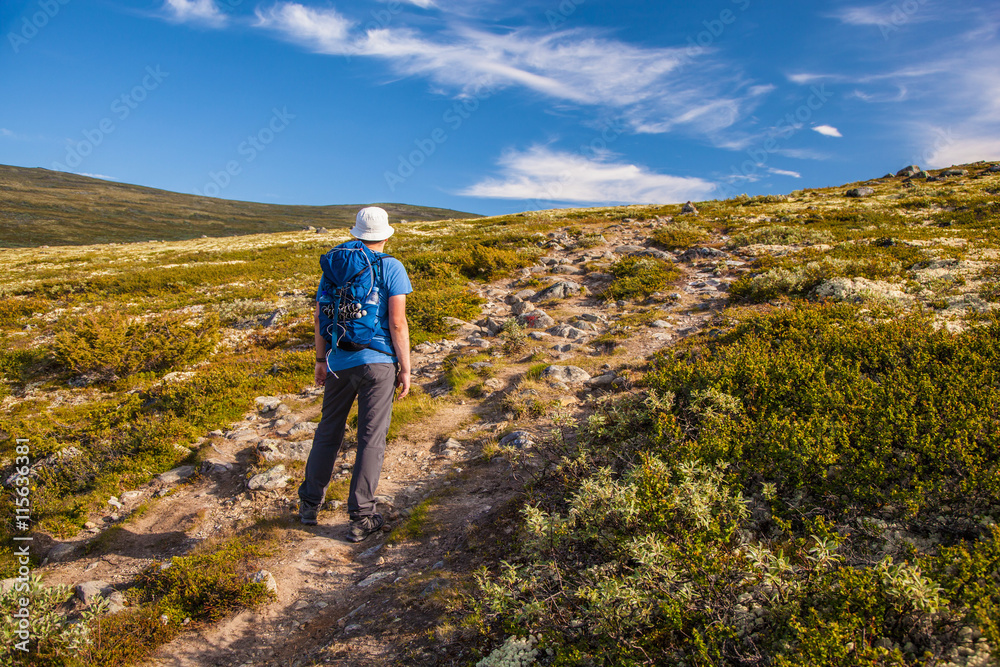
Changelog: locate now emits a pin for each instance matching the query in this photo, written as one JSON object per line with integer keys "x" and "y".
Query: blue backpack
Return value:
{"x": 353, "y": 280}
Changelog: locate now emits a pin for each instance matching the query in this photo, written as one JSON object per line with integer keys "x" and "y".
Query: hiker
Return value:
{"x": 363, "y": 352}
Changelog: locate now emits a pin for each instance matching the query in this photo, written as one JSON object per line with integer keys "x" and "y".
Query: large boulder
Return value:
{"x": 860, "y": 192}
{"x": 535, "y": 319}
{"x": 906, "y": 172}
{"x": 558, "y": 290}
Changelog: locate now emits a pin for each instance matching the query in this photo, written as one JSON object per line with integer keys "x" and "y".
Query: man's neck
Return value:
{"x": 375, "y": 246}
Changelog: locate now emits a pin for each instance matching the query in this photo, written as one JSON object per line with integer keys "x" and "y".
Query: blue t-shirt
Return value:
{"x": 396, "y": 283}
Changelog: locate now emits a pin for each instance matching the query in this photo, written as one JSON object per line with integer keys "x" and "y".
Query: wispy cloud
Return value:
{"x": 783, "y": 172}
{"x": 195, "y": 11}
{"x": 827, "y": 131}
{"x": 544, "y": 174}
{"x": 656, "y": 89}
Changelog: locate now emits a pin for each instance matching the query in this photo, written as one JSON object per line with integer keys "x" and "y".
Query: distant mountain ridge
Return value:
{"x": 43, "y": 207}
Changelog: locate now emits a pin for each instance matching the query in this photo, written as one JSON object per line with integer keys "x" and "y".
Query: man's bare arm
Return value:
{"x": 399, "y": 330}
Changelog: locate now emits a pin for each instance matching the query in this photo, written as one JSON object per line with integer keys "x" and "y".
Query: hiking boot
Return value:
{"x": 308, "y": 513}
{"x": 363, "y": 527}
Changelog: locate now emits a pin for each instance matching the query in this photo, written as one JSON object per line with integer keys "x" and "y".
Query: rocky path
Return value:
{"x": 379, "y": 602}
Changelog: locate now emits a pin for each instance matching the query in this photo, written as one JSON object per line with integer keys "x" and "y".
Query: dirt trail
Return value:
{"x": 379, "y": 602}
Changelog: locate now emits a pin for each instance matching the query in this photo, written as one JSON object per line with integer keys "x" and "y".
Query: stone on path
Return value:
{"x": 558, "y": 290}
{"x": 88, "y": 591}
{"x": 273, "y": 478}
{"x": 567, "y": 331}
{"x": 518, "y": 439}
{"x": 266, "y": 578}
{"x": 567, "y": 374}
{"x": 535, "y": 319}
{"x": 60, "y": 550}
{"x": 175, "y": 475}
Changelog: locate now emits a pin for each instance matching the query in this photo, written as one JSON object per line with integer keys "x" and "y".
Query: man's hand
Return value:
{"x": 320, "y": 373}
{"x": 403, "y": 382}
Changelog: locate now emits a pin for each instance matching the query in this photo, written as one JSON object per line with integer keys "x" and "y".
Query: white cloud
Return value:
{"x": 656, "y": 89}
{"x": 547, "y": 175}
{"x": 827, "y": 131}
{"x": 946, "y": 150}
{"x": 100, "y": 176}
{"x": 784, "y": 172}
{"x": 197, "y": 11}
{"x": 864, "y": 15}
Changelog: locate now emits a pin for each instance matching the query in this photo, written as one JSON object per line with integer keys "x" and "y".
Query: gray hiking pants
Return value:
{"x": 372, "y": 385}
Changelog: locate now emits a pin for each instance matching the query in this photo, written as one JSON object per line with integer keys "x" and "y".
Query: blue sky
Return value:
{"x": 496, "y": 107}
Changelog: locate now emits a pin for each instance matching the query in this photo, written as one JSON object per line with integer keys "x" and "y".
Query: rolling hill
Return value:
{"x": 43, "y": 207}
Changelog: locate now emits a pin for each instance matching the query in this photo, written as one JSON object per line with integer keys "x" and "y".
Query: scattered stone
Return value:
{"x": 370, "y": 551}
{"x": 88, "y": 591}
{"x": 322, "y": 230}
{"x": 274, "y": 317}
{"x": 692, "y": 254}
{"x": 660, "y": 324}
{"x": 522, "y": 307}
{"x": 129, "y": 496}
{"x": 494, "y": 384}
{"x": 535, "y": 319}
{"x": 906, "y": 172}
{"x": 177, "y": 376}
{"x": 114, "y": 502}
{"x": 302, "y": 430}
{"x": 266, "y": 578}
{"x": 584, "y": 325}
{"x": 176, "y": 475}
{"x": 602, "y": 380}
{"x": 210, "y": 466}
{"x": 568, "y": 374}
{"x": 953, "y": 172}
{"x": 273, "y": 478}
{"x": 353, "y": 627}
{"x": 518, "y": 439}
{"x": 267, "y": 404}
{"x": 568, "y": 270}
{"x": 860, "y": 192}
{"x": 525, "y": 294}
{"x": 689, "y": 208}
{"x": 375, "y": 577}
{"x": 564, "y": 347}
{"x": 558, "y": 290}
{"x": 454, "y": 322}
{"x": 591, "y": 317}
{"x": 629, "y": 249}
{"x": 994, "y": 169}
{"x": 566, "y": 331}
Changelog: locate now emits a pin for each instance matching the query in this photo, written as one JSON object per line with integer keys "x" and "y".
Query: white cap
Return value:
{"x": 372, "y": 224}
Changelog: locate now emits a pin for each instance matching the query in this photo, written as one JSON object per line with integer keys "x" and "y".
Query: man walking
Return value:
{"x": 370, "y": 374}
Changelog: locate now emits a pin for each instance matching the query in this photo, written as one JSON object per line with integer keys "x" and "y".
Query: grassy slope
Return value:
{"x": 42, "y": 207}
{"x": 48, "y": 291}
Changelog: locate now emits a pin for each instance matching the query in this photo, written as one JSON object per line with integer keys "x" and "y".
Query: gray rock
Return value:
{"x": 953, "y": 172}
{"x": 494, "y": 384}
{"x": 302, "y": 430}
{"x": 558, "y": 290}
{"x": 591, "y": 317}
{"x": 114, "y": 502}
{"x": 860, "y": 192}
{"x": 906, "y": 172}
{"x": 88, "y": 591}
{"x": 265, "y": 577}
{"x": 692, "y": 254}
{"x": 994, "y": 169}
{"x": 602, "y": 380}
{"x": 689, "y": 208}
{"x": 653, "y": 252}
{"x": 525, "y": 294}
{"x": 568, "y": 270}
{"x": 176, "y": 475}
{"x": 455, "y": 322}
{"x": 129, "y": 496}
{"x": 535, "y": 319}
{"x": 267, "y": 404}
{"x": 375, "y": 577}
{"x": 568, "y": 374}
{"x": 273, "y": 478}
{"x": 322, "y": 230}
{"x": 518, "y": 439}
{"x": 215, "y": 466}
{"x": 491, "y": 324}
{"x": 116, "y": 602}
{"x": 522, "y": 307}
{"x": 274, "y": 317}
{"x": 60, "y": 551}
{"x": 566, "y": 331}
{"x": 629, "y": 249}
{"x": 564, "y": 347}
{"x": 584, "y": 325}
{"x": 660, "y": 324}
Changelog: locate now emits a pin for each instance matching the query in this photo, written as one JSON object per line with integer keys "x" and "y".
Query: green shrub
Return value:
{"x": 52, "y": 638}
{"x": 780, "y": 235}
{"x": 513, "y": 337}
{"x": 680, "y": 235}
{"x": 639, "y": 277}
{"x": 109, "y": 345}
{"x": 14, "y": 310}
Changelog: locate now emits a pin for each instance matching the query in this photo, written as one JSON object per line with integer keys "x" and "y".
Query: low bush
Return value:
{"x": 680, "y": 235}
{"x": 639, "y": 277}
{"x": 742, "y": 510}
{"x": 109, "y": 345}
{"x": 780, "y": 235}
